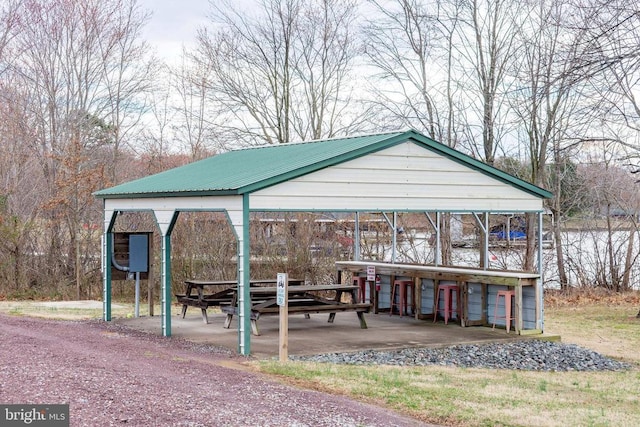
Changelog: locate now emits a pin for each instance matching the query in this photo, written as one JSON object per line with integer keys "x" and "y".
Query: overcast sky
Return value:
{"x": 173, "y": 23}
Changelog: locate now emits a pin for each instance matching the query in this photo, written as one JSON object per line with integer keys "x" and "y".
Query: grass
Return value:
{"x": 485, "y": 397}
{"x": 601, "y": 321}
{"x": 59, "y": 310}
{"x": 480, "y": 397}
{"x": 450, "y": 396}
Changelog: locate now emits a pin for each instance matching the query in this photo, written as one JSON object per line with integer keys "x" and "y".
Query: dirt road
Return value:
{"x": 110, "y": 375}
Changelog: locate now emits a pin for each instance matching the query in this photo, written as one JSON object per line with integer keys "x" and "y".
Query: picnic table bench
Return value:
{"x": 223, "y": 294}
{"x": 301, "y": 300}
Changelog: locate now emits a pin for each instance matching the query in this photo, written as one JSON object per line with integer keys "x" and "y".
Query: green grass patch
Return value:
{"x": 477, "y": 397}
{"x": 485, "y": 397}
{"x": 67, "y": 311}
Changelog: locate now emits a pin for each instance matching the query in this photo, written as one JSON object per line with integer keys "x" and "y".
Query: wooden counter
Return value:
{"x": 478, "y": 290}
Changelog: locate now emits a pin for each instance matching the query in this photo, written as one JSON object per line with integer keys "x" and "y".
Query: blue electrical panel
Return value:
{"x": 138, "y": 253}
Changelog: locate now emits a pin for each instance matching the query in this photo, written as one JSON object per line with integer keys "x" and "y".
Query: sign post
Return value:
{"x": 282, "y": 298}
{"x": 371, "y": 278}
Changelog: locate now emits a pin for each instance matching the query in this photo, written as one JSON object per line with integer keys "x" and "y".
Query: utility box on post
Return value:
{"x": 130, "y": 250}
{"x": 138, "y": 253}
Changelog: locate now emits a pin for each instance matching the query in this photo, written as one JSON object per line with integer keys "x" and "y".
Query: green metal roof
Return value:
{"x": 247, "y": 170}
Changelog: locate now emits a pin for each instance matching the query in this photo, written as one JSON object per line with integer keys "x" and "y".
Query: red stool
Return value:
{"x": 507, "y": 295}
{"x": 400, "y": 288}
{"x": 361, "y": 283}
{"x": 448, "y": 290}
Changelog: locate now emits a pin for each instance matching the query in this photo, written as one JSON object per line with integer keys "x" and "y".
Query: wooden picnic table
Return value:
{"x": 222, "y": 296}
{"x": 301, "y": 300}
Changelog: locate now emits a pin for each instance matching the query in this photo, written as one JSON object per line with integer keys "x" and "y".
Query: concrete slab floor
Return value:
{"x": 315, "y": 335}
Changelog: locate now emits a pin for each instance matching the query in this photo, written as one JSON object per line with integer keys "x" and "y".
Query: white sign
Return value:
{"x": 371, "y": 273}
{"x": 281, "y": 291}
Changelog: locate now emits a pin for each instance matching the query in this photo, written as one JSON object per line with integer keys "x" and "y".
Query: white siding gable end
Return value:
{"x": 405, "y": 177}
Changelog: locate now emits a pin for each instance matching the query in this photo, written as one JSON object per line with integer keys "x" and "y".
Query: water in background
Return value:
{"x": 586, "y": 254}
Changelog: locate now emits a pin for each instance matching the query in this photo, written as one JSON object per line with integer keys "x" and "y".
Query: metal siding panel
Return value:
{"x": 252, "y": 166}
{"x": 176, "y": 203}
{"x": 529, "y": 307}
{"x": 474, "y": 296}
{"x": 396, "y": 203}
{"x": 410, "y": 182}
{"x": 393, "y": 190}
{"x": 384, "y": 296}
{"x": 426, "y": 302}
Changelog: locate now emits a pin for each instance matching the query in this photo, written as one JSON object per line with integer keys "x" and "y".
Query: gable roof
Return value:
{"x": 247, "y": 170}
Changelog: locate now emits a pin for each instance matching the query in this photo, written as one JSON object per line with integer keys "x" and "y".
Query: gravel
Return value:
{"x": 529, "y": 355}
{"x": 113, "y": 376}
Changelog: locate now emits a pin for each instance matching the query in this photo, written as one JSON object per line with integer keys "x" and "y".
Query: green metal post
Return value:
{"x": 107, "y": 250}
{"x": 166, "y": 285}
{"x": 166, "y": 222}
{"x": 244, "y": 274}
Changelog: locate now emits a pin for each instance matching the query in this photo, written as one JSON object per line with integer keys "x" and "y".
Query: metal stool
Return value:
{"x": 507, "y": 295}
{"x": 400, "y": 288}
{"x": 361, "y": 283}
{"x": 448, "y": 290}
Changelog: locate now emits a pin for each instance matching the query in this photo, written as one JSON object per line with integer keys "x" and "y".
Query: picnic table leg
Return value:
{"x": 204, "y": 316}
{"x": 227, "y": 321}
{"x": 363, "y": 323}
{"x": 254, "y": 327}
{"x": 187, "y": 294}
{"x": 332, "y": 317}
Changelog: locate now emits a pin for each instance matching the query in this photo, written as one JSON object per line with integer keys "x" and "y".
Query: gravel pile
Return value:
{"x": 529, "y": 355}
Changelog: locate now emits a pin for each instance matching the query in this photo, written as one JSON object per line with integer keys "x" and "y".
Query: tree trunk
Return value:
{"x": 446, "y": 248}
{"x": 562, "y": 273}
{"x": 613, "y": 268}
{"x": 532, "y": 233}
{"x": 628, "y": 262}
{"x": 78, "y": 267}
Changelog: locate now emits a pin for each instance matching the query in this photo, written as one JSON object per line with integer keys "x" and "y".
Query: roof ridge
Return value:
{"x": 366, "y": 135}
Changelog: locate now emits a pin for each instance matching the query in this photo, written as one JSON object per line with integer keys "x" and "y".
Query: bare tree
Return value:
{"x": 546, "y": 98}
{"x": 194, "y": 114}
{"x": 561, "y": 53}
{"x": 9, "y": 20}
{"x": 401, "y": 45}
{"x": 82, "y": 68}
{"x": 20, "y": 179}
{"x": 411, "y": 46}
{"x": 617, "y": 86}
{"x": 281, "y": 73}
{"x": 487, "y": 46}
{"x": 157, "y": 137}
{"x": 600, "y": 249}
{"x": 20, "y": 185}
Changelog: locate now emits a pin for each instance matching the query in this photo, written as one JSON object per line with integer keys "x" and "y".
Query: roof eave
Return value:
{"x": 203, "y": 193}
